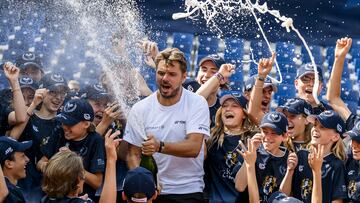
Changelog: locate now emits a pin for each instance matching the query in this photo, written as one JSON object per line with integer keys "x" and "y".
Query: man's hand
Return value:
{"x": 343, "y": 46}
{"x": 292, "y": 161}
{"x": 111, "y": 144}
{"x": 316, "y": 158}
{"x": 11, "y": 72}
{"x": 150, "y": 146}
{"x": 265, "y": 65}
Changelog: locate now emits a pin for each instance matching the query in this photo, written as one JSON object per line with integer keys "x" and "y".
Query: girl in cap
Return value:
{"x": 64, "y": 179}
{"x": 272, "y": 159}
{"x": 296, "y": 110}
{"x": 78, "y": 134}
{"x": 353, "y": 165}
{"x": 327, "y": 130}
{"x": 230, "y": 128}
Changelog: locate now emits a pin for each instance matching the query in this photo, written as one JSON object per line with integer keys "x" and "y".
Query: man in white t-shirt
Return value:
{"x": 171, "y": 125}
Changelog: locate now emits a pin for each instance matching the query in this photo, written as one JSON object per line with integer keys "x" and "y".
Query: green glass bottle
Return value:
{"x": 149, "y": 163}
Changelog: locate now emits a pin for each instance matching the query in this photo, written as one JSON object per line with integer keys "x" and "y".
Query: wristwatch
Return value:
{"x": 261, "y": 78}
{"x": 162, "y": 145}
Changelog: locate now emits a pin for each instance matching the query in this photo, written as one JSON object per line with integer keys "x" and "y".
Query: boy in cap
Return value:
{"x": 272, "y": 158}
{"x": 30, "y": 65}
{"x": 139, "y": 186}
{"x": 13, "y": 162}
{"x": 304, "y": 83}
{"x": 78, "y": 134}
{"x": 38, "y": 127}
{"x": 259, "y": 89}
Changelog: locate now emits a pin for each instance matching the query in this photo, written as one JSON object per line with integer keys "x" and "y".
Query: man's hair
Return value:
{"x": 170, "y": 55}
{"x": 62, "y": 174}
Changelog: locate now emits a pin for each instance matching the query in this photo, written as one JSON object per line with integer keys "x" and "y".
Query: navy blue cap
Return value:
{"x": 329, "y": 119}
{"x": 355, "y": 132}
{"x": 139, "y": 180}
{"x": 53, "y": 80}
{"x": 296, "y": 106}
{"x": 95, "y": 91}
{"x": 29, "y": 59}
{"x": 75, "y": 111}
{"x": 237, "y": 96}
{"x": 280, "y": 197}
{"x": 249, "y": 83}
{"x": 26, "y": 81}
{"x": 215, "y": 58}
{"x": 191, "y": 85}
{"x": 8, "y": 146}
{"x": 276, "y": 121}
{"x": 309, "y": 68}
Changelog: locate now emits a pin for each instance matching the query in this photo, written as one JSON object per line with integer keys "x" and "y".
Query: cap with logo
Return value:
{"x": 29, "y": 59}
{"x": 95, "y": 91}
{"x": 191, "y": 85}
{"x": 215, "y": 58}
{"x": 249, "y": 83}
{"x": 236, "y": 95}
{"x": 280, "y": 197}
{"x": 28, "y": 82}
{"x": 139, "y": 180}
{"x": 53, "y": 80}
{"x": 296, "y": 106}
{"x": 276, "y": 121}
{"x": 355, "y": 132}
{"x": 8, "y": 146}
{"x": 329, "y": 119}
{"x": 75, "y": 111}
{"x": 309, "y": 68}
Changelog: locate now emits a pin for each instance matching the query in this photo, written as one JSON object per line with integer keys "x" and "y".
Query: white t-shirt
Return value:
{"x": 171, "y": 124}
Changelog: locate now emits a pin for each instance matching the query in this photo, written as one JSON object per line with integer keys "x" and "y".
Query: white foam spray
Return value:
{"x": 210, "y": 9}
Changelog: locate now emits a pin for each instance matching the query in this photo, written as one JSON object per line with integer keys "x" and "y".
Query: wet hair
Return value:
{"x": 62, "y": 174}
{"x": 217, "y": 132}
{"x": 170, "y": 55}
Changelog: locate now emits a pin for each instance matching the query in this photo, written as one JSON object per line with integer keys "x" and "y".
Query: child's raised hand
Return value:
{"x": 316, "y": 158}
{"x": 249, "y": 153}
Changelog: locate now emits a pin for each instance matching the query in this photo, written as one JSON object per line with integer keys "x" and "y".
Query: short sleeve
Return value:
{"x": 199, "y": 118}
{"x": 339, "y": 188}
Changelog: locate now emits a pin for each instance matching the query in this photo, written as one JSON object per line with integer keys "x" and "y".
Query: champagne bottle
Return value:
{"x": 149, "y": 163}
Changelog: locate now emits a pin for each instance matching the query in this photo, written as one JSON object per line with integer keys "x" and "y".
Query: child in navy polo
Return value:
{"x": 13, "y": 162}
{"x": 353, "y": 166}
{"x": 271, "y": 162}
{"x": 78, "y": 134}
{"x": 328, "y": 130}
{"x": 299, "y": 133}
{"x": 38, "y": 127}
